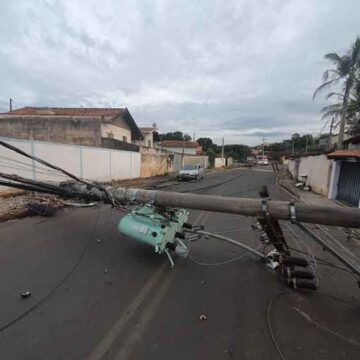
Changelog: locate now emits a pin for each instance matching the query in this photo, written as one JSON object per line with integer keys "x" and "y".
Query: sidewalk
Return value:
{"x": 344, "y": 240}
{"x": 308, "y": 197}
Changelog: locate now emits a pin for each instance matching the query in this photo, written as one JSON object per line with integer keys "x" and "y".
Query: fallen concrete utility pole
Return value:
{"x": 283, "y": 210}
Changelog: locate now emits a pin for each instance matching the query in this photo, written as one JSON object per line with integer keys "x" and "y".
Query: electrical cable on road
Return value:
{"x": 61, "y": 282}
{"x": 220, "y": 263}
{"x": 283, "y": 293}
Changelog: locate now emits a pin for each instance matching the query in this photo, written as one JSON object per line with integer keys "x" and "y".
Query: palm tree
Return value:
{"x": 347, "y": 68}
{"x": 334, "y": 111}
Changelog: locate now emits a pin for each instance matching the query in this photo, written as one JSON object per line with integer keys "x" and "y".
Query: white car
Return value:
{"x": 263, "y": 162}
{"x": 191, "y": 172}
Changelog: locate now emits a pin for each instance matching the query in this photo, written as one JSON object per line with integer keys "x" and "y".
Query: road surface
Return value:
{"x": 97, "y": 295}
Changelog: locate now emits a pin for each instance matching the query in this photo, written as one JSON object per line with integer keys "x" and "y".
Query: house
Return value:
{"x": 330, "y": 143}
{"x": 353, "y": 143}
{"x": 345, "y": 176}
{"x": 181, "y": 147}
{"x": 150, "y": 137}
{"x": 99, "y": 127}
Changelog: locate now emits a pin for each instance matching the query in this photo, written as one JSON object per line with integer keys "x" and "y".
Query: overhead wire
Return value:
{"x": 30, "y": 170}
{"x": 19, "y": 151}
{"x": 8, "y": 160}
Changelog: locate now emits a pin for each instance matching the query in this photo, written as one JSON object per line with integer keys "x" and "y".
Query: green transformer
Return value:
{"x": 162, "y": 228}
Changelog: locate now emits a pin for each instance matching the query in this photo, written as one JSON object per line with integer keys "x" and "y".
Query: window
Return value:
{"x": 124, "y": 139}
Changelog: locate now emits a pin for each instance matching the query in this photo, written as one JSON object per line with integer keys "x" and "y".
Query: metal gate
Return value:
{"x": 349, "y": 183}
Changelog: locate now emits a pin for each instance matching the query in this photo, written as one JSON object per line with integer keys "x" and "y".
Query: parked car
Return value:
{"x": 191, "y": 172}
{"x": 263, "y": 161}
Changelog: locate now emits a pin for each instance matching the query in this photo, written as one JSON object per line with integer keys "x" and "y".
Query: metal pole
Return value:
{"x": 10, "y": 101}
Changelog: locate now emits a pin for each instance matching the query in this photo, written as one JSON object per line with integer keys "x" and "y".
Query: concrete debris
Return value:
{"x": 202, "y": 317}
{"x": 42, "y": 208}
{"x": 25, "y": 294}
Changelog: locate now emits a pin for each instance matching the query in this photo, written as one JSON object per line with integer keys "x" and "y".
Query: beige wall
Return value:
{"x": 152, "y": 165}
{"x": 148, "y": 140}
{"x": 61, "y": 129}
{"x": 119, "y": 130}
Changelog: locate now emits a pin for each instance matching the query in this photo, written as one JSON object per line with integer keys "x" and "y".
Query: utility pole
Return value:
{"x": 193, "y": 136}
{"x": 330, "y": 132}
{"x": 183, "y": 154}
{"x": 306, "y": 144}
{"x": 222, "y": 149}
{"x": 263, "y": 148}
{"x": 10, "y": 103}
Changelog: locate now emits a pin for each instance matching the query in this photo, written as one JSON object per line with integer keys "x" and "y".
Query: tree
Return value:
{"x": 176, "y": 135}
{"x": 237, "y": 152}
{"x": 205, "y": 142}
{"x": 346, "y": 71}
{"x": 295, "y": 136}
{"x": 187, "y": 137}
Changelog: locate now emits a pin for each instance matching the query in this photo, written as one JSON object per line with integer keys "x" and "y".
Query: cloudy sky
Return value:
{"x": 242, "y": 69}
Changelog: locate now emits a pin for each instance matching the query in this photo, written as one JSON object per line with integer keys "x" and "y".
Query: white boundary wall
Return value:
{"x": 317, "y": 170}
{"x": 95, "y": 164}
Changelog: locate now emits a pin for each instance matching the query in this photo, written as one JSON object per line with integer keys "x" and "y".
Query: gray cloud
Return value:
{"x": 242, "y": 69}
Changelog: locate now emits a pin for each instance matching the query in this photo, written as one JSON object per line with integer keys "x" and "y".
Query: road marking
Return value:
{"x": 135, "y": 335}
{"x": 147, "y": 315}
{"x": 104, "y": 346}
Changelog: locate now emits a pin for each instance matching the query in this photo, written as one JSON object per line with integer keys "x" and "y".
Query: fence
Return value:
{"x": 220, "y": 162}
{"x": 293, "y": 167}
{"x": 96, "y": 164}
{"x": 178, "y": 160}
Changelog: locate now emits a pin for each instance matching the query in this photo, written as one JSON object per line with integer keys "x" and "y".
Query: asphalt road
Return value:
{"x": 97, "y": 295}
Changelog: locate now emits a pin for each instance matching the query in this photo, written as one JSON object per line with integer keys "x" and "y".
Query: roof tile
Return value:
{"x": 179, "y": 143}
{"x": 343, "y": 154}
{"x": 58, "y": 111}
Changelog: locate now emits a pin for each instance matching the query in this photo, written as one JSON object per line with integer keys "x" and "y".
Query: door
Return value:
{"x": 349, "y": 183}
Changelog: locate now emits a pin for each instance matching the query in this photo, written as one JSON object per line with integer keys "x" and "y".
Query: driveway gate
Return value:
{"x": 349, "y": 183}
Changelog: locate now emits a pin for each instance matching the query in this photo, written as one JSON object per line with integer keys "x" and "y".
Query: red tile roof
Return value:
{"x": 343, "y": 154}
{"x": 178, "y": 143}
{"x": 56, "y": 111}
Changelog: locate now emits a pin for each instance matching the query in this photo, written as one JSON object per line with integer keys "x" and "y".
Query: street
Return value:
{"x": 98, "y": 295}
